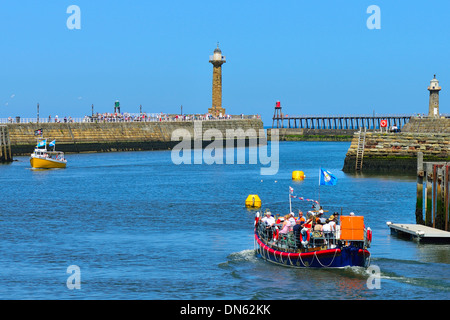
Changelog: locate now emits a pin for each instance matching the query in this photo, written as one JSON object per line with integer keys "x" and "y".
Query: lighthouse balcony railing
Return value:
{"x": 223, "y": 58}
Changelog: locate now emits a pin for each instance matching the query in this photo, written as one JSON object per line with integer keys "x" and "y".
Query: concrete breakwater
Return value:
{"x": 124, "y": 136}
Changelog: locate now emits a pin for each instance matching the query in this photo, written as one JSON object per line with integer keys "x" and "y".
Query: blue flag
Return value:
{"x": 326, "y": 178}
{"x": 42, "y": 143}
{"x": 52, "y": 144}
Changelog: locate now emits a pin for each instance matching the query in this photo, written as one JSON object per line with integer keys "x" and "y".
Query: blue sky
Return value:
{"x": 316, "y": 57}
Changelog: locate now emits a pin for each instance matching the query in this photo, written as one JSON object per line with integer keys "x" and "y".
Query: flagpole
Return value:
{"x": 290, "y": 203}
{"x": 320, "y": 172}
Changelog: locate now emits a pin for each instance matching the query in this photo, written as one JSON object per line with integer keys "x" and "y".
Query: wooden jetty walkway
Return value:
{"x": 419, "y": 233}
{"x": 5, "y": 145}
{"x": 433, "y": 199}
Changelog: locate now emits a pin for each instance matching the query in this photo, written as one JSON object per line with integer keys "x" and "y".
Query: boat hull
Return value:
{"x": 39, "y": 163}
{"x": 331, "y": 258}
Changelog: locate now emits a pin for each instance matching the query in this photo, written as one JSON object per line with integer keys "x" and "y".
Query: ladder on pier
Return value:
{"x": 360, "y": 150}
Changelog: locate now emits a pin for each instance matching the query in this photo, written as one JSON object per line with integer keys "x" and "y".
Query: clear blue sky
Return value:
{"x": 316, "y": 57}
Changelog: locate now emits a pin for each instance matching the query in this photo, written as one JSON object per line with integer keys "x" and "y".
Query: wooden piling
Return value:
{"x": 5, "y": 145}
{"x": 446, "y": 196}
{"x": 419, "y": 202}
{"x": 440, "y": 220}
{"x": 433, "y": 183}
{"x": 428, "y": 194}
{"x": 435, "y": 176}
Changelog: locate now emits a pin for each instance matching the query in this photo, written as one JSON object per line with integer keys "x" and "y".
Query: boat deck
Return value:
{"x": 419, "y": 233}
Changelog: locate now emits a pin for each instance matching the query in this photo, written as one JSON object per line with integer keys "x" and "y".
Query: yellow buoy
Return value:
{"x": 253, "y": 201}
{"x": 298, "y": 175}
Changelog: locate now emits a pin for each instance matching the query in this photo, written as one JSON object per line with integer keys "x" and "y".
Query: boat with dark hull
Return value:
{"x": 346, "y": 246}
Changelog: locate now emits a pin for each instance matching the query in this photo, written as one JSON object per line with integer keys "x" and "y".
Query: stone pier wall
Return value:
{"x": 427, "y": 125}
{"x": 397, "y": 152}
{"x": 120, "y": 136}
{"x": 296, "y": 134}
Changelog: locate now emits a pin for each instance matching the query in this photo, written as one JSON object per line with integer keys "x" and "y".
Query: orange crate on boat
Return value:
{"x": 352, "y": 228}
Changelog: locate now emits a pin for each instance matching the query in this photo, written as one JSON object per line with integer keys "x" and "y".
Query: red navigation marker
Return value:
{"x": 383, "y": 123}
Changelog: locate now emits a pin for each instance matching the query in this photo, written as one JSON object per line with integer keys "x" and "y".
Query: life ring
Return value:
{"x": 304, "y": 236}
{"x": 369, "y": 236}
{"x": 256, "y": 218}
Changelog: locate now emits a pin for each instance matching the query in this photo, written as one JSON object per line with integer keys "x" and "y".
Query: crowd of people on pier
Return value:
{"x": 158, "y": 117}
{"x": 132, "y": 117}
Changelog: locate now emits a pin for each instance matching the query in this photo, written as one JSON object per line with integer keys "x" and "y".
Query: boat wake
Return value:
{"x": 247, "y": 255}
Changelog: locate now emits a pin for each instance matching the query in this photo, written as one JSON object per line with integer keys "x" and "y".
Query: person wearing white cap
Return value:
{"x": 269, "y": 222}
{"x": 292, "y": 220}
{"x": 268, "y": 219}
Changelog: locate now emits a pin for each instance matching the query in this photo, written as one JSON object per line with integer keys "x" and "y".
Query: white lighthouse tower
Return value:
{"x": 434, "y": 88}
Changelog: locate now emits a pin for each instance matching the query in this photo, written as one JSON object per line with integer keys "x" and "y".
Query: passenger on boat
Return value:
{"x": 321, "y": 217}
{"x": 300, "y": 216}
{"x": 318, "y": 225}
{"x": 309, "y": 222}
{"x": 327, "y": 229}
{"x": 334, "y": 217}
{"x": 286, "y": 226}
{"x": 297, "y": 229}
{"x": 269, "y": 222}
{"x": 332, "y": 222}
{"x": 291, "y": 220}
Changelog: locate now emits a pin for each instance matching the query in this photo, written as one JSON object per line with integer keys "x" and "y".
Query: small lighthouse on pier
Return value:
{"x": 217, "y": 59}
{"x": 434, "y": 88}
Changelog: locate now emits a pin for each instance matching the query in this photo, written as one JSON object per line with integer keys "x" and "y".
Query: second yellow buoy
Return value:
{"x": 253, "y": 201}
{"x": 298, "y": 175}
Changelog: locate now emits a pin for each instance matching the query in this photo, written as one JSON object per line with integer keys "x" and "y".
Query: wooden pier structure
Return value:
{"x": 5, "y": 145}
{"x": 433, "y": 186}
{"x": 432, "y": 199}
{"x": 339, "y": 122}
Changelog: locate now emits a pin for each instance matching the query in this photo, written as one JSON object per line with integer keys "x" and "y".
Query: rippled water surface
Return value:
{"x": 140, "y": 227}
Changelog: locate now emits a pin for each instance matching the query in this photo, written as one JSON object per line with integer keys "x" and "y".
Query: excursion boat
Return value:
{"x": 42, "y": 158}
{"x": 346, "y": 246}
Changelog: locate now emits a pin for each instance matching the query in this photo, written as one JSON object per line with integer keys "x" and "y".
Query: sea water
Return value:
{"x": 138, "y": 226}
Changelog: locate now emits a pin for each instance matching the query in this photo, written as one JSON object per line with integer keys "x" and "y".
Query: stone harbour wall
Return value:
{"x": 118, "y": 136}
{"x": 297, "y": 134}
{"x": 427, "y": 125}
{"x": 397, "y": 152}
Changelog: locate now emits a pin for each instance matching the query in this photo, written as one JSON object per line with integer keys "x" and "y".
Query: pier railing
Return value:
{"x": 341, "y": 122}
{"x": 127, "y": 118}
